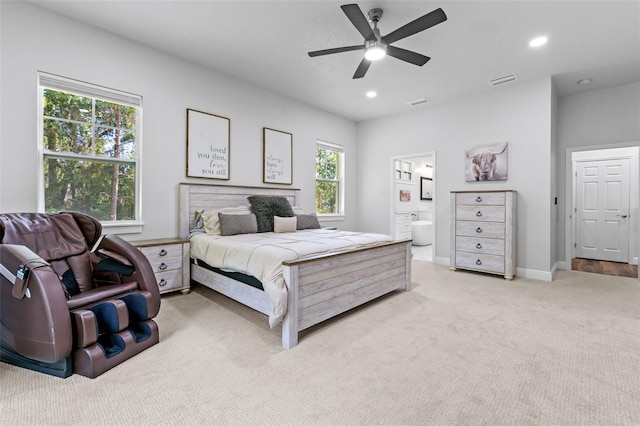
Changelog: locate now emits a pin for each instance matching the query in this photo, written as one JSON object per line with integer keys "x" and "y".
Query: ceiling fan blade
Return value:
{"x": 362, "y": 68}
{"x": 359, "y": 21}
{"x": 407, "y": 56}
{"x": 335, "y": 50}
{"x": 427, "y": 21}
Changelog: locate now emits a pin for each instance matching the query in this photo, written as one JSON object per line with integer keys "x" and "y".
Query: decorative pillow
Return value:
{"x": 212, "y": 221}
{"x": 198, "y": 226}
{"x": 308, "y": 221}
{"x": 266, "y": 207}
{"x": 284, "y": 224}
{"x": 233, "y": 224}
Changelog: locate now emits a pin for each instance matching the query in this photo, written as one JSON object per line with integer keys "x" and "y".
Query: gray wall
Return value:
{"x": 33, "y": 39}
{"x": 518, "y": 114}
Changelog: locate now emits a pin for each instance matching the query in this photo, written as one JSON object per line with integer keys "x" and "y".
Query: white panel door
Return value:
{"x": 602, "y": 209}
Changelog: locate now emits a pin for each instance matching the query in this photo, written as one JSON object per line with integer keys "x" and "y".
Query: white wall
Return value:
{"x": 593, "y": 119}
{"x": 34, "y": 39}
{"x": 519, "y": 114}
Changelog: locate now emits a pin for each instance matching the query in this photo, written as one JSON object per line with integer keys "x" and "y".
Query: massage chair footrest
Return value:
{"x": 113, "y": 348}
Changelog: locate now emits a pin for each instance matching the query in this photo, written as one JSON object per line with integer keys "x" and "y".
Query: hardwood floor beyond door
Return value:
{"x": 604, "y": 267}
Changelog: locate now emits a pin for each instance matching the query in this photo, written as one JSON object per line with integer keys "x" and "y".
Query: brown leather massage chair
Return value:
{"x": 71, "y": 299}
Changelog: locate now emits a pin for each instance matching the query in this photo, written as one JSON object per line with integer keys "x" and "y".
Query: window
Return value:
{"x": 89, "y": 148}
{"x": 329, "y": 178}
{"x": 404, "y": 170}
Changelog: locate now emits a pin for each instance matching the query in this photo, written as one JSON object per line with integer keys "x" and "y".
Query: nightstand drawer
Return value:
{"x": 169, "y": 280}
{"x": 168, "y": 264}
{"x": 162, "y": 252}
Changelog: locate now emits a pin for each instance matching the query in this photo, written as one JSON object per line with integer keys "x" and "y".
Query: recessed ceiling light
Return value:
{"x": 538, "y": 41}
{"x": 584, "y": 81}
{"x": 371, "y": 94}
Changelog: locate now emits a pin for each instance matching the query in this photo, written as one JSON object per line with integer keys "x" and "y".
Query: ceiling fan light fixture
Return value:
{"x": 375, "y": 51}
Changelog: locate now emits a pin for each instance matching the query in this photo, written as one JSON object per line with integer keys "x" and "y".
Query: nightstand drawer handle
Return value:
{"x": 478, "y": 246}
{"x": 162, "y": 282}
{"x": 163, "y": 252}
{"x": 479, "y": 214}
{"x": 478, "y": 199}
{"x": 162, "y": 266}
{"x": 478, "y": 262}
{"x": 479, "y": 230}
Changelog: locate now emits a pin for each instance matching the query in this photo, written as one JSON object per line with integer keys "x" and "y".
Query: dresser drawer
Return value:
{"x": 481, "y": 198}
{"x": 169, "y": 280}
{"x": 480, "y": 262}
{"x": 162, "y": 252}
{"x": 480, "y": 229}
{"x": 480, "y": 213}
{"x": 480, "y": 245}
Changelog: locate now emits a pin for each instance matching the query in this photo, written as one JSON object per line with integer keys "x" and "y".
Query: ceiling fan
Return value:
{"x": 377, "y": 47}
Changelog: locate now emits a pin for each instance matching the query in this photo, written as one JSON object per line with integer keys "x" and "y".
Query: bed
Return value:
{"x": 318, "y": 287}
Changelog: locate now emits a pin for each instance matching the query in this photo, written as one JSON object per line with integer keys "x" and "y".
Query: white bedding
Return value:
{"x": 261, "y": 255}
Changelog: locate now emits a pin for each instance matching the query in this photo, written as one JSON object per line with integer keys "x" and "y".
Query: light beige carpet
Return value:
{"x": 459, "y": 349}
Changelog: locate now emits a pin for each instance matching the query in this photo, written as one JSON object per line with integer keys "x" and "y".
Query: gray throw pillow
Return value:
{"x": 233, "y": 224}
{"x": 266, "y": 207}
{"x": 308, "y": 221}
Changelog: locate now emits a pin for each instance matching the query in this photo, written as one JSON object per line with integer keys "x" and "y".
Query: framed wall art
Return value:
{"x": 486, "y": 162}
{"x": 208, "y": 140}
{"x": 277, "y": 156}
{"x": 405, "y": 195}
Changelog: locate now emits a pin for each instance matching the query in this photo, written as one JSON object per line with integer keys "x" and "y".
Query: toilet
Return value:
{"x": 422, "y": 229}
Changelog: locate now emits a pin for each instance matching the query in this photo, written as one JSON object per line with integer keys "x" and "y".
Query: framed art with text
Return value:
{"x": 277, "y": 156}
{"x": 208, "y": 140}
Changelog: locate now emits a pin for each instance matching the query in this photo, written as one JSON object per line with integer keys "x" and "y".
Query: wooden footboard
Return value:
{"x": 320, "y": 287}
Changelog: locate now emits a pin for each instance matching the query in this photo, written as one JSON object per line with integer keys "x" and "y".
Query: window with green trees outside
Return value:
{"x": 89, "y": 145}
{"x": 329, "y": 161}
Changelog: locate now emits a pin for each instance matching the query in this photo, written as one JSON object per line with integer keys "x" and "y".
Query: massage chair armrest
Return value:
{"x": 143, "y": 272}
{"x": 38, "y": 325}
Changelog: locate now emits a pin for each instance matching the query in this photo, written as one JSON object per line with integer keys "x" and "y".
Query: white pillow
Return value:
{"x": 284, "y": 224}
{"x": 212, "y": 221}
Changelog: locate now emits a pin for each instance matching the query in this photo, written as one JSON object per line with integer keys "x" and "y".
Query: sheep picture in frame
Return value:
{"x": 486, "y": 162}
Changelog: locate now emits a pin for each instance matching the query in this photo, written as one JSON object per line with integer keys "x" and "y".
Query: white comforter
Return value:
{"x": 261, "y": 255}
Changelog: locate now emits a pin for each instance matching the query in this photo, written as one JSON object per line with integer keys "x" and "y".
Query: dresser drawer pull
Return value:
{"x": 478, "y": 262}
{"x": 479, "y": 214}
{"x": 162, "y": 266}
{"x": 478, "y": 246}
{"x": 479, "y": 199}
{"x": 162, "y": 282}
{"x": 163, "y": 252}
{"x": 479, "y": 230}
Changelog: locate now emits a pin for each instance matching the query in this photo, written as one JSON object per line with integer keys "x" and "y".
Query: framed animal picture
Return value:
{"x": 486, "y": 162}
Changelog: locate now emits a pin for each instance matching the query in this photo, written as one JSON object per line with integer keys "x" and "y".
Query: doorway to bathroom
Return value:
{"x": 413, "y": 200}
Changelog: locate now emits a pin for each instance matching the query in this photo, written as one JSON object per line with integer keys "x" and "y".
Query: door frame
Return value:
{"x": 393, "y": 190}
{"x": 634, "y": 190}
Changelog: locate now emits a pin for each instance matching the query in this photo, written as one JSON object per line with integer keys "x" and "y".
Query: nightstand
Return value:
{"x": 169, "y": 258}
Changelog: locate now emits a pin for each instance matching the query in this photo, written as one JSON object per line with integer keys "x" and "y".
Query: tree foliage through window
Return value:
{"x": 327, "y": 180}
{"x": 89, "y": 156}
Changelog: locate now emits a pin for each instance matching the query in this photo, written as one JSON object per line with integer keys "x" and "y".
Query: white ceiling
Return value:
{"x": 266, "y": 43}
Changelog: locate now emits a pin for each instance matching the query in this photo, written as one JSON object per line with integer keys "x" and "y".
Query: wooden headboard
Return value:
{"x": 214, "y": 197}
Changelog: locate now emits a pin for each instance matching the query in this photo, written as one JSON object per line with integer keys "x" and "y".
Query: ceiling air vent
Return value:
{"x": 502, "y": 80}
{"x": 419, "y": 102}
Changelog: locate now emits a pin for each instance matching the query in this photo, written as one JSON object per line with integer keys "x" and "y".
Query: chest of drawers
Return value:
{"x": 483, "y": 231}
{"x": 169, "y": 259}
{"x": 403, "y": 226}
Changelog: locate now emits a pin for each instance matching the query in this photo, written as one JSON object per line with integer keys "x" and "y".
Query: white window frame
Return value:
{"x": 63, "y": 84}
{"x": 340, "y": 179}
